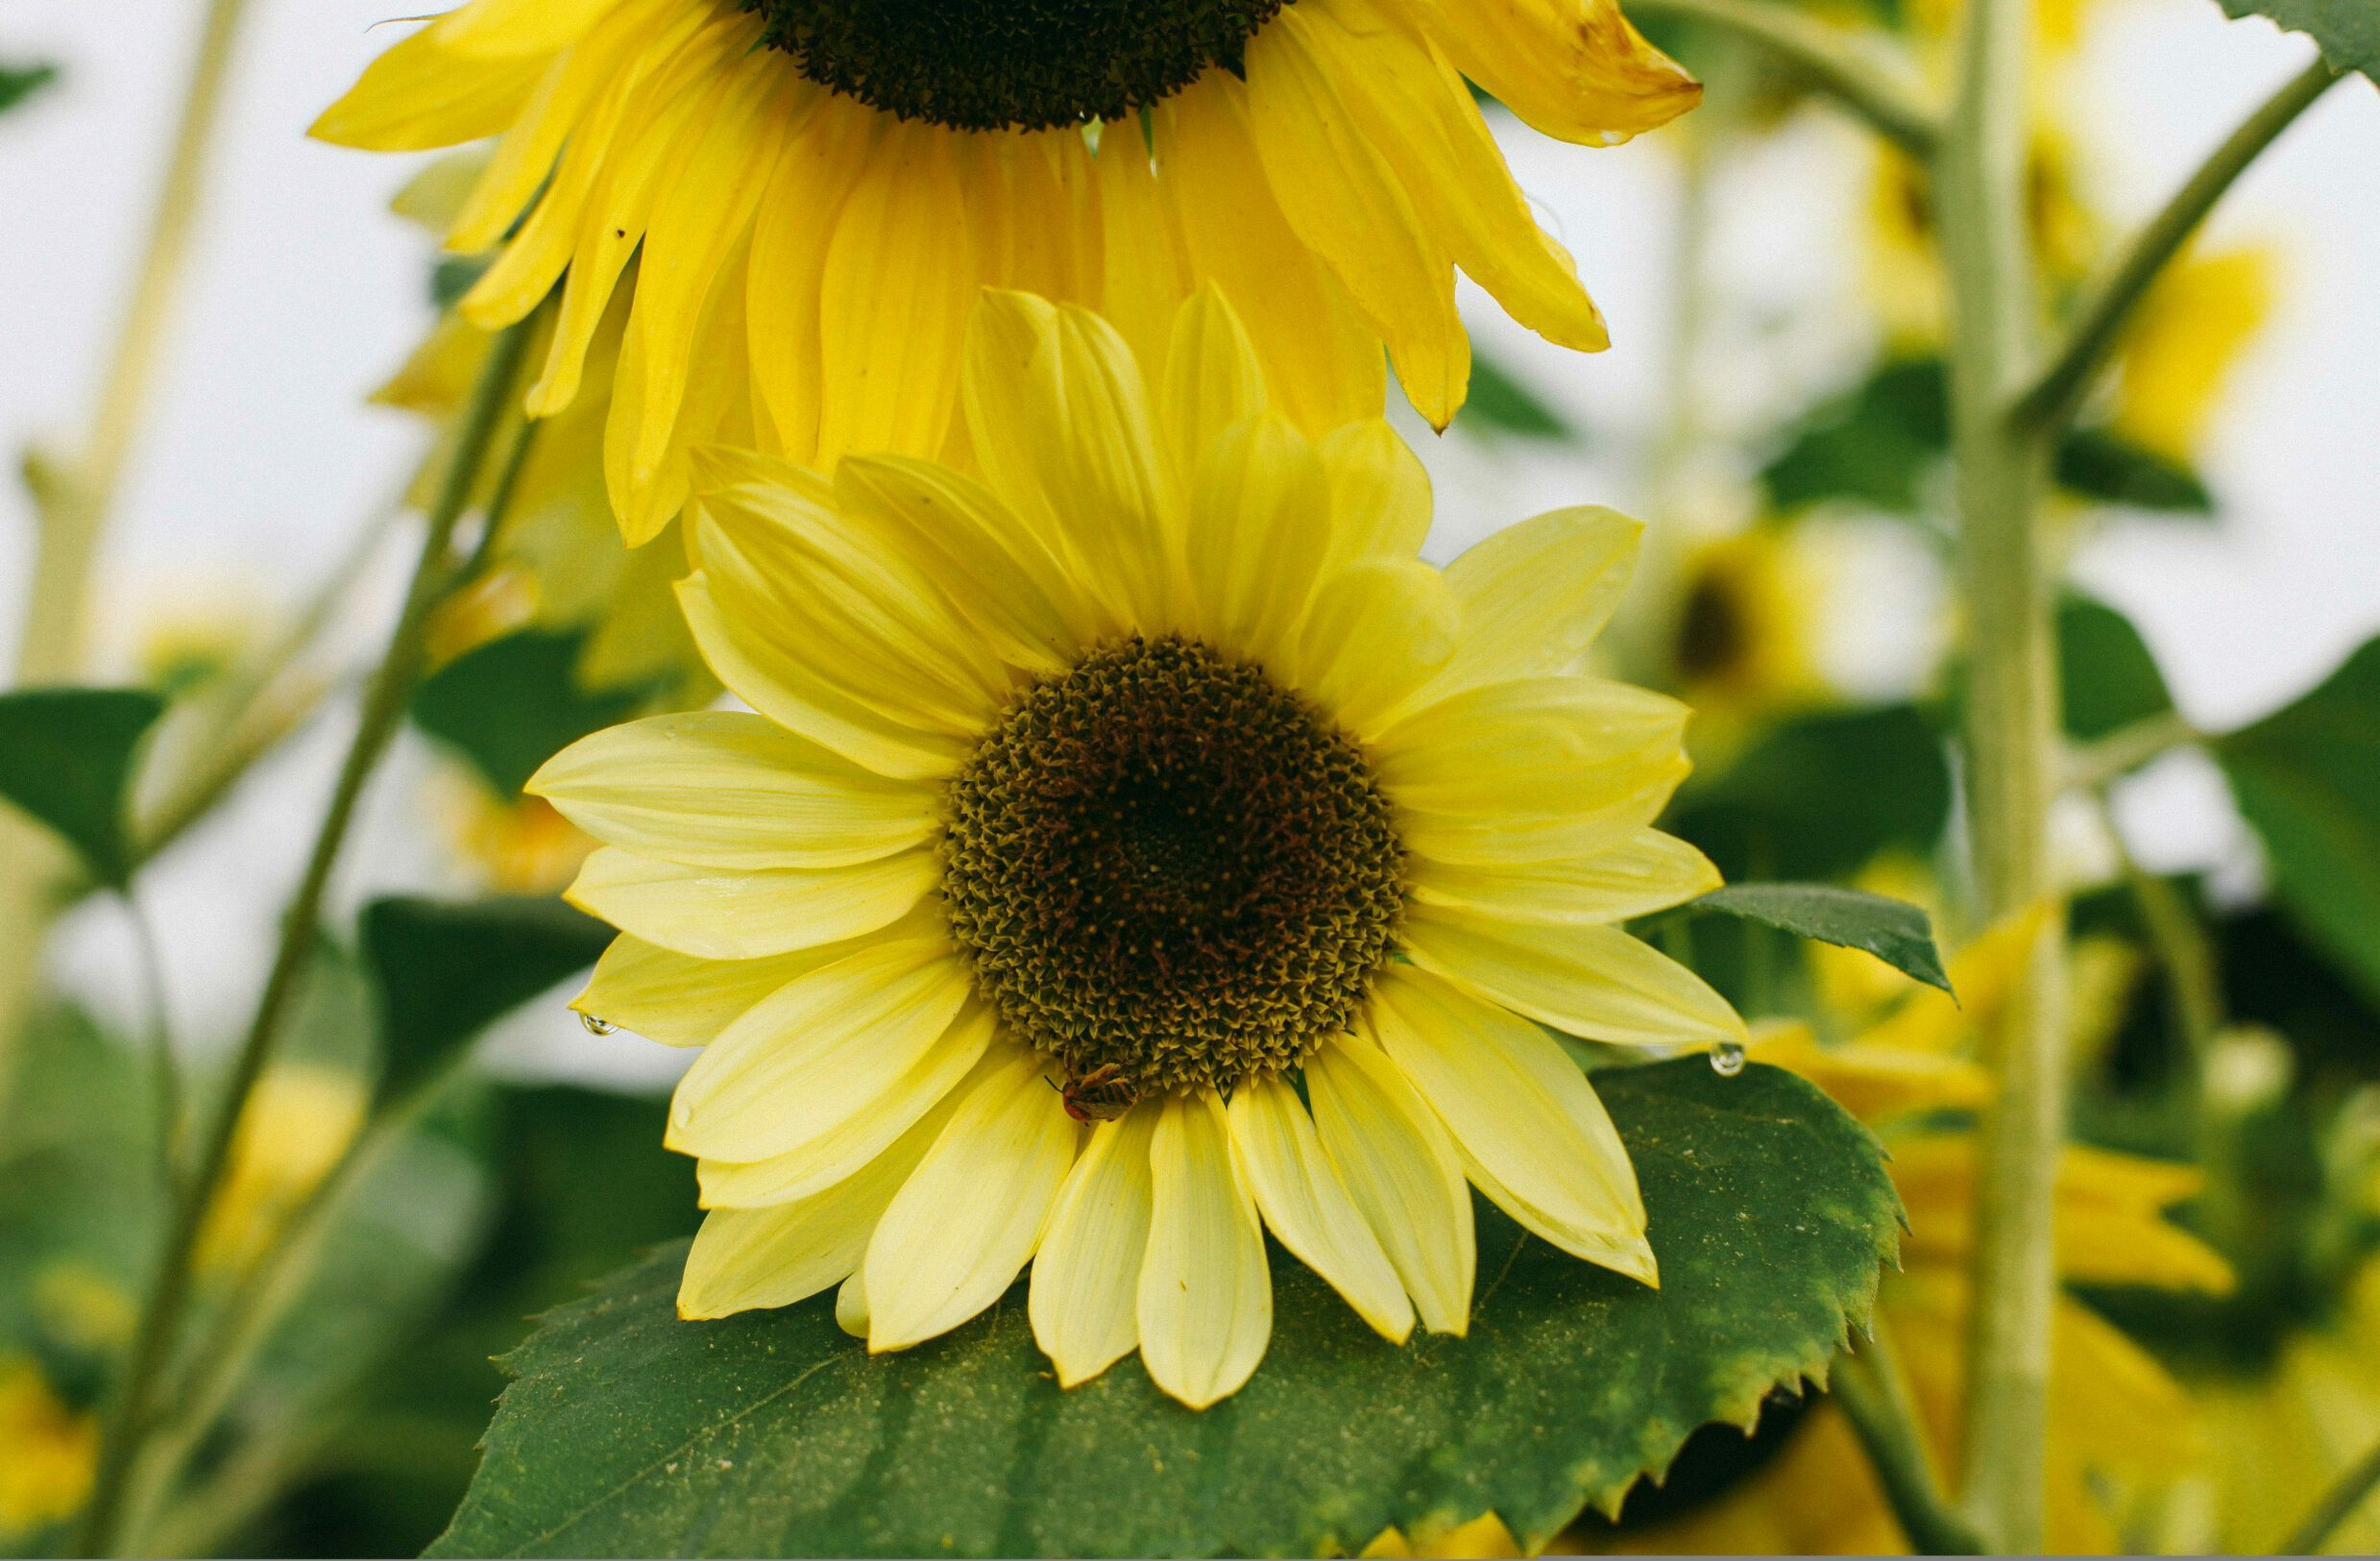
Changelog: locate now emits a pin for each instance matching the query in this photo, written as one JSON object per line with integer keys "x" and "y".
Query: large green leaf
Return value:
{"x": 66, "y": 758}
{"x": 446, "y": 969}
{"x": 2101, "y": 463}
{"x": 630, "y": 1432}
{"x": 2346, "y": 31}
{"x": 513, "y": 703}
{"x": 2107, "y": 678}
{"x": 1819, "y": 797}
{"x": 2307, "y": 779}
{"x": 1896, "y": 932}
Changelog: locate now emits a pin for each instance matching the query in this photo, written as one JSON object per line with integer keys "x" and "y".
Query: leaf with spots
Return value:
{"x": 629, "y": 1432}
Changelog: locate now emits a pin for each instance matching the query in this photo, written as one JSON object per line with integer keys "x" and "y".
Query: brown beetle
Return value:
{"x": 1101, "y": 1095}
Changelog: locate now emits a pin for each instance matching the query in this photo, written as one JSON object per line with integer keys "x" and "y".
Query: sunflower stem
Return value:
{"x": 383, "y": 708}
{"x": 1875, "y": 1396}
{"x": 1858, "y": 70}
{"x": 2012, "y": 754}
{"x": 2050, "y": 404}
{"x": 2338, "y": 1504}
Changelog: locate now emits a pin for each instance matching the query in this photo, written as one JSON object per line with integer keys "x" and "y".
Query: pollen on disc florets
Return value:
{"x": 1032, "y": 64}
{"x": 1163, "y": 861}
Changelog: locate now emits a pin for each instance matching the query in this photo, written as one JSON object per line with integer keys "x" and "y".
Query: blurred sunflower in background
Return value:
{"x": 1142, "y": 784}
{"x": 815, "y": 189}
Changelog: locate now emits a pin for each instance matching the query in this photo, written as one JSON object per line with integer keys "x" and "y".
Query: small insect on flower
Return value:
{"x": 1102, "y": 1095}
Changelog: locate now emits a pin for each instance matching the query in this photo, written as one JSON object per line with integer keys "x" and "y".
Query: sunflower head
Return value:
{"x": 1147, "y": 785}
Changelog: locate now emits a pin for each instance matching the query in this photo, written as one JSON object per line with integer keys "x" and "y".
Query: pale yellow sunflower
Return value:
{"x": 1152, "y": 782}
{"x": 820, "y": 186}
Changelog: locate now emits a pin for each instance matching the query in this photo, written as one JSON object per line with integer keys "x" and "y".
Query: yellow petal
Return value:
{"x": 1545, "y": 745}
{"x": 1305, "y": 1204}
{"x": 797, "y": 220}
{"x": 1322, "y": 359}
{"x": 1410, "y": 104}
{"x": 1535, "y": 595}
{"x": 1873, "y": 1082}
{"x": 851, "y": 1304}
{"x": 1345, "y": 200}
{"x": 806, "y": 1059}
{"x": 682, "y": 1001}
{"x": 1378, "y": 630}
{"x": 1402, "y": 1171}
{"x": 421, "y": 95}
{"x": 894, "y": 300}
{"x": 1575, "y": 69}
{"x": 1146, "y": 265}
{"x": 1259, "y": 528}
{"x": 1473, "y": 835}
{"x": 1379, "y": 495}
{"x": 498, "y": 28}
{"x": 1521, "y": 1112}
{"x": 1205, "y": 1306}
{"x": 722, "y": 789}
{"x": 718, "y": 914}
{"x": 1212, "y": 380}
{"x": 773, "y": 1256}
{"x": 772, "y": 682}
{"x": 1643, "y": 871}
{"x": 971, "y": 1215}
{"x": 1595, "y": 981}
{"x": 1086, "y": 1274}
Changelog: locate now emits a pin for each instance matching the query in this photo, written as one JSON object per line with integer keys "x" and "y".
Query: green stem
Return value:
{"x": 2093, "y": 765}
{"x": 73, "y": 500}
{"x": 2053, "y": 399}
{"x": 383, "y": 707}
{"x": 2185, "y": 953}
{"x": 1875, "y": 1396}
{"x": 2011, "y": 752}
{"x": 1858, "y": 69}
{"x": 2336, "y": 1506}
{"x": 165, "y": 1084}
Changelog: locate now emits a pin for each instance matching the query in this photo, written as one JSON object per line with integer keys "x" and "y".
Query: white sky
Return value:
{"x": 259, "y": 456}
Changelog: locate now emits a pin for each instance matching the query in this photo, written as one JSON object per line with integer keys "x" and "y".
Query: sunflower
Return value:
{"x": 819, "y": 188}
{"x": 1152, "y": 784}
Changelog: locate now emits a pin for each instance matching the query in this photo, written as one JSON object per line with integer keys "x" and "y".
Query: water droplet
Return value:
{"x": 1727, "y": 1058}
{"x": 596, "y": 1026}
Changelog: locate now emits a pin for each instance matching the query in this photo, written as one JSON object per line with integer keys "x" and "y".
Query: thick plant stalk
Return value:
{"x": 384, "y": 706}
{"x": 2012, "y": 759}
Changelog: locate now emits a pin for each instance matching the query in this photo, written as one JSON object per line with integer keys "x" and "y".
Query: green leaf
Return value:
{"x": 2107, "y": 677}
{"x": 1497, "y": 404}
{"x": 513, "y": 703}
{"x": 630, "y": 1432}
{"x": 2346, "y": 31}
{"x": 2100, "y": 463}
{"x": 2307, "y": 779}
{"x": 66, "y": 758}
{"x": 1818, "y": 797}
{"x": 1896, "y": 932}
{"x": 446, "y": 969}
{"x": 1875, "y": 444}
{"x": 17, "y": 83}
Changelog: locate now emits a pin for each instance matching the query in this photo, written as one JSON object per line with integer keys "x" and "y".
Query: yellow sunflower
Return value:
{"x": 819, "y": 188}
{"x": 1151, "y": 782}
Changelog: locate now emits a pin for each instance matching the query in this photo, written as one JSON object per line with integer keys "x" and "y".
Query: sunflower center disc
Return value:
{"x": 983, "y": 64}
{"x": 1163, "y": 862}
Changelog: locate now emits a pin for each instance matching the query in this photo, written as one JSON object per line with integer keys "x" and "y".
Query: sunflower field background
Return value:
{"x": 1801, "y": 834}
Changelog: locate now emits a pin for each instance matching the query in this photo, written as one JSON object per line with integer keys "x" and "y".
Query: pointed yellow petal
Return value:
{"x": 1378, "y": 630}
{"x": 1558, "y": 746}
{"x": 1307, "y": 1205}
{"x": 773, "y": 1256}
{"x": 720, "y": 914}
{"x": 1534, "y": 595}
{"x": 1205, "y": 1301}
{"x": 420, "y": 95}
{"x": 772, "y": 682}
{"x": 1403, "y": 1172}
{"x": 498, "y": 28}
{"x": 805, "y": 1059}
{"x": 682, "y": 1001}
{"x": 828, "y": 1157}
{"x": 1322, "y": 359}
{"x": 851, "y": 1304}
{"x": 1473, "y": 834}
{"x": 1520, "y": 1111}
{"x": 1379, "y": 495}
{"x": 1087, "y": 1274}
{"x": 1643, "y": 871}
{"x": 797, "y": 220}
{"x": 970, "y": 1217}
{"x": 1259, "y": 528}
{"x": 1212, "y": 378}
{"x": 1146, "y": 262}
{"x": 723, "y": 789}
{"x": 1344, "y": 199}
{"x": 1595, "y": 981}
{"x": 1575, "y": 69}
